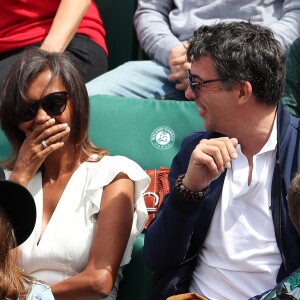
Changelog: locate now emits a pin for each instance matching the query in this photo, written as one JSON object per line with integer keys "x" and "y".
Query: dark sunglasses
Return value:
{"x": 193, "y": 85}
{"x": 53, "y": 104}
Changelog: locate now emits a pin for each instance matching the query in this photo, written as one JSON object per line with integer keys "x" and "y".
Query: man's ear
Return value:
{"x": 245, "y": 92}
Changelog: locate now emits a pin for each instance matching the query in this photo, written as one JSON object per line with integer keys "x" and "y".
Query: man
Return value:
{"x": 163, "y": 27}
{"x": 223, "y": 231}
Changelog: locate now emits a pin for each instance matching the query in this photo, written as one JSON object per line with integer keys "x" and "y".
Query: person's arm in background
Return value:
{"x": 158, "y": 41}
{"x": 287, "y": 29}
{"x": 65, "y": 24}
{"x": 153, "y": 29}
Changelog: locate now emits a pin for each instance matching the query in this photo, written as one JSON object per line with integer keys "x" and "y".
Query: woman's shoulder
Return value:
{"x": 40, "y": 291}
{"x": 110, "y": 166}
{"x": 117, "y": 162}
{"x": 119, "y": 159}
{"x": 116, "y": 157}
{"x": 105, "y": 170}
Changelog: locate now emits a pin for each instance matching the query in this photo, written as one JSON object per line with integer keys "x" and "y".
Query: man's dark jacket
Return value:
{"x": 181, "y": 225}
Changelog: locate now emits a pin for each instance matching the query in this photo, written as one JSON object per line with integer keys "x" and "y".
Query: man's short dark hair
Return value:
{"x": 243, "y": 51}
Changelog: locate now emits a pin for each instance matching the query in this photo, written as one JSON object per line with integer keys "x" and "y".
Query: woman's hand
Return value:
{"x": 33, "y": 153}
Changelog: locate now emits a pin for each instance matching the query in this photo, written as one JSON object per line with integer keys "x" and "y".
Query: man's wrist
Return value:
{"x": 186, "y": 193}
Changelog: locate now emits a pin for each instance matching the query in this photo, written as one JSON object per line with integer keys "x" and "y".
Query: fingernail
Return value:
{"x": 234, "y": 155}
{"x": 228, "y": 165}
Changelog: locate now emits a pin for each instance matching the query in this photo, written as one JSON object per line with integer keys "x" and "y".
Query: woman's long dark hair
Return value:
{"x": 14, "y": 283}
{"x": 27, "y": 68}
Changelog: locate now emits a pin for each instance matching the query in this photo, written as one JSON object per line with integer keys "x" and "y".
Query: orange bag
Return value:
{"x": 158, "y": 188}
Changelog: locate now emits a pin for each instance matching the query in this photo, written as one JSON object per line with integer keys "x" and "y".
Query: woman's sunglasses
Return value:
{"x": 53, "y": 104}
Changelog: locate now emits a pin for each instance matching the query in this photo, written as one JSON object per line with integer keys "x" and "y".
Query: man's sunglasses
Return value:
{"x": 193, "y": 85}
{"x": 53, "y": 104}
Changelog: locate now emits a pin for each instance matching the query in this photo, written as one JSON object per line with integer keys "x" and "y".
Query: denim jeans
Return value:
{"x": 136, "y": 79}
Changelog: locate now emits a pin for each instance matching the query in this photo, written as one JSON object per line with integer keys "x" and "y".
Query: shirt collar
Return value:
{"x": 272, "y": 141}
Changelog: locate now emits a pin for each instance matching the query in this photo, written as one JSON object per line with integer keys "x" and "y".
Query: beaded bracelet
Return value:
{"x": 186, "y": 193}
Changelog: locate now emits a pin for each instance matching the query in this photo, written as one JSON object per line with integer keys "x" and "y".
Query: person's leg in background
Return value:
{"x": 89, "y": 57}
{"x": 136, "y": 79}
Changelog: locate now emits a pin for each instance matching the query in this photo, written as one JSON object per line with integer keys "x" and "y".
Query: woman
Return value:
{"x": 57, "y": 25}
{"x": 17, "y": 219}
{"x": 90, "y": 206}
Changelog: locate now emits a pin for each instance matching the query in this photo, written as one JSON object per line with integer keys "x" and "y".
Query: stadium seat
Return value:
{"x": 149, "y": 132}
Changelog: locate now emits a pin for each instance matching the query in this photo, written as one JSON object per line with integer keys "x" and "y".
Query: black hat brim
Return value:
{"x": 20, "y": 208}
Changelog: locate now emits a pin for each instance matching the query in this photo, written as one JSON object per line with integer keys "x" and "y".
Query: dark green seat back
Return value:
{"x": 147, "y": 131}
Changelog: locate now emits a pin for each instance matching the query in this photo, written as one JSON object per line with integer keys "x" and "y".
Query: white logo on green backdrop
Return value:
{"x": 163, "y": 137}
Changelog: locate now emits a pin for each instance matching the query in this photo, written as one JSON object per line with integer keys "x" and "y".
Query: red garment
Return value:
{"x": 26, "y": 22}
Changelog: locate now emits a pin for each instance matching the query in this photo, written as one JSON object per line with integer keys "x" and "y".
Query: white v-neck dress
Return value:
{"x": 64, "y": 247}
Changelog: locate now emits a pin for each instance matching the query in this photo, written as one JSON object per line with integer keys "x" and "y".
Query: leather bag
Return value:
{"x": 158, "y": 188}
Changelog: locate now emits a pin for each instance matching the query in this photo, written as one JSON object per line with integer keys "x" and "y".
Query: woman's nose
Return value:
{"x": 41, "y": 116}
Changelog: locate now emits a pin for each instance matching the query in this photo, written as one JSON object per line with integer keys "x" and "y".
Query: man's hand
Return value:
{"x": 179, "y": 66}
{"x": 209, "y": 159}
